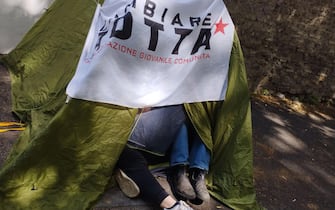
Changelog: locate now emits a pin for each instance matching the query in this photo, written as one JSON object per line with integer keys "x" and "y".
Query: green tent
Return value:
{"x": 65, "y": 157}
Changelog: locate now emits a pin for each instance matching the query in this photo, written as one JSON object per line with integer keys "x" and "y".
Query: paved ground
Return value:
{"x": 294, "y": 155}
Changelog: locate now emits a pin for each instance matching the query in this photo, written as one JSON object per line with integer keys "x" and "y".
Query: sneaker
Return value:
{"x": 180, "y": 205}
{"x": 126, "y": 184}
{"x": 197, "y": 179}
{"x": 180, "y": 183}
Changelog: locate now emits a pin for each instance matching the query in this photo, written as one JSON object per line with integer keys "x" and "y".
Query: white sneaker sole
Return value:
{"x": 126, "y": 184}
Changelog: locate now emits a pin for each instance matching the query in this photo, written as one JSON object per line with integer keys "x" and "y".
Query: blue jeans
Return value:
{"x": 189, "y": 150}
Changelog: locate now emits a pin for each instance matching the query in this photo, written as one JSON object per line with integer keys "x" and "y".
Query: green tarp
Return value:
{"x": 65, "y": 157}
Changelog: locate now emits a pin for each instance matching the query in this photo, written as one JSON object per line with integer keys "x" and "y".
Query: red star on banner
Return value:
{"x": 220, "y": 26}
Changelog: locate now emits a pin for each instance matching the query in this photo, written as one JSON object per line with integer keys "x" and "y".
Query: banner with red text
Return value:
{"x": 145, "y": 53}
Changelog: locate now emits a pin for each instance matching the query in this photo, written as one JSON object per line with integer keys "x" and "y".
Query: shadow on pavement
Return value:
{"x": 294, "y": 158}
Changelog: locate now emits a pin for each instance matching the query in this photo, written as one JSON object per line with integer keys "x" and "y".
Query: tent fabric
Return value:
{"x": 65, "y": 157}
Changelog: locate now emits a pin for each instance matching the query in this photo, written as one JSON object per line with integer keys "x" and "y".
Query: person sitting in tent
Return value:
{"x": 189, "y": 160}
{"x": 156, "y": 130}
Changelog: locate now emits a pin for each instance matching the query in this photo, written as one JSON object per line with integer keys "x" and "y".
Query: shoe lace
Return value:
{"x": 197, "y": 176}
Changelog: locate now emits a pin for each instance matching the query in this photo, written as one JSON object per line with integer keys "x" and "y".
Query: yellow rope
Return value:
{"x": 11, "y": 126}
{"x": 2, "y": 124}
{"x": 11, "y": 129}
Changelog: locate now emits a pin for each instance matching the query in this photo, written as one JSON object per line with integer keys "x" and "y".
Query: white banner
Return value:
{"x": 145, "y": 53}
